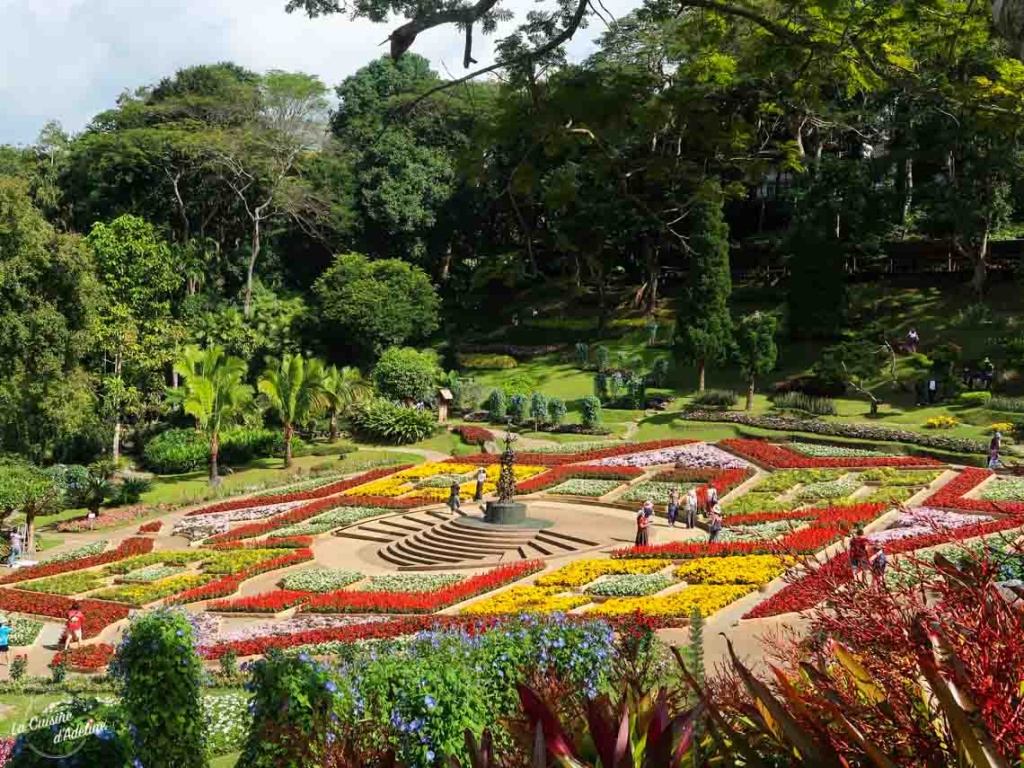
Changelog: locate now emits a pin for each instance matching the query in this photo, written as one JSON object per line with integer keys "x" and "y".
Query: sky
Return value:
{"x": 67, "y": 60}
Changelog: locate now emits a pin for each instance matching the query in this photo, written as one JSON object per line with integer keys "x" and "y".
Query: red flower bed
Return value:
{"x": 558, "y": 459}
{"x": 98, "y": 613}
{"x": 817, "y": 586}
{"x": 279, "y": 542}
{"x": 87, "y": 658}
{"x": 314, "y": 508}
{"x": 315, "y": 493}
{"x": 557, "y": 475}
{"x": 951, "y": 495}
{"x": 269, "y": 602}
{"x": 348, "y": 601}
{"x": 474, "y": 435}
{"x": 127, "y": 548}
{"x": 153, "y": 527}
{"x": 754, "y": 518}
{"x": 229, "y": 584}
{"x": 782, "y": 458}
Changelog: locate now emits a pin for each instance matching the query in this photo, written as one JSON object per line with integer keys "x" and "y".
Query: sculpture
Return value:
{"x": 507, "y": 475}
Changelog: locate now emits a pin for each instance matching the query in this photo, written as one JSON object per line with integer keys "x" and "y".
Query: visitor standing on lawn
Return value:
{"x": 643, "y": 522}
{"x": 15, "y": 547}
{"x": 481, "y": 478}
{"x": 691, "y": 507}
{"x": 859, "y": 552}
{"x": 453, "y": 499}
{"x": 74, "y": 626}
{"x": 714, "y": 524}
{"x": 673, "y": 506}
{"x": 5, "y": 640}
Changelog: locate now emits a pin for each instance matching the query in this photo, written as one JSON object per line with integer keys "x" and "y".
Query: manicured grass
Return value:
{"x": 23, "y": 707}
{"x": 225, "y": 761}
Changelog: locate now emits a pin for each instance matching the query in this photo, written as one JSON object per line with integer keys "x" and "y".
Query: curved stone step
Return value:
{"x": 457, "y": 545}
{"x": 426, "y": 553}
{"x": 467, "y": 538}
{"x": 441, "y": 550}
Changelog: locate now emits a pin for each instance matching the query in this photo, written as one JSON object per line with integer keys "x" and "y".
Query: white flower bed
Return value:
{"x": 320, "y": 580}
{"x": 696, "y": 456}
{"x": 924, "y": 520}
{"x": 411, "y": 582}
{"x": 580, "y": 447}
{"x": 757, "y": 532}
{"x": 578, "y": 487}
{"x": 631, "y": 585}
{"x": 832, "y": 451}
{"x": 336, "y": 518}
{"x": 1004, "y": 489}
{"x": 87, "y": 550}
{"x": 656, "y": 491}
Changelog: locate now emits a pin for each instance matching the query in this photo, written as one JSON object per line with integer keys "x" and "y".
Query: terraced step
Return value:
{"x": 437, "y": 539}
{"x": 401, "y": 525}
{"x": 569, "y": 538}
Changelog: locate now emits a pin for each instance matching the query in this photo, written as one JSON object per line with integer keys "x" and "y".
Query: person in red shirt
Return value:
{"x": 73, "y": 627}
{"x": 859, "y": 552}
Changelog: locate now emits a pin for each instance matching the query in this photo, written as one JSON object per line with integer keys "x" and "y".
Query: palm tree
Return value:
{"x": 213, "y": 392}
{"x": 295, "y": 389}
{"x": 342, "y": 388}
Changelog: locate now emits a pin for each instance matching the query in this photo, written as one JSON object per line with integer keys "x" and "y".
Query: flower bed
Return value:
{"x": 86, "y": 658}
{"x": 579, "y": 487}
{"x": 421, "y": 602}
{"x": 269, "y": 602}
{"x": 141, "y": 594}
{"x": 198, "y": 528}
{"x": 923, "y": 520}
{"x": 319, "y": 580}
{"x": 952, "y": 495}
{"x": 273, "y": 542}
{"x": 23, "y": 633}
{"x": 894, "y": 495}
{"x": 630, "y": 585}
{"x": 887, "y": 477}
{"x": 754, "y": 502}
{"x": 782, "y": 458}
{"x": 212, "y": 561}
{"x": 706, "y": 599}
{"x": 752, "y": 569}
{"x": 585, "y": 456}
{"x": 526, "y": 599}
{"x": 833, "y": 489}
{"x": 154, "y": 527}
{"x": 757, "y": 532}
{"x": 1004, "y": 489}
{"x": 818, "y": 451}
{"x": 149, "y": 574}
{"x": 581, "y": 572}
{"x": 87, "y": 550}
{"x": 68, "y": 584}
{"x": 411, "y": 582}
{"x": 127, "y": 548}
{"x": 111, "y": 518}
{"x": 98, "y": 614}
{"x": 655, "y": 491}
{"x": 319, "y": 492}
{"x": 474, "y": 435}
{"x": 580, "y": 447}
{"x": 692, "y": 456}
{"x": 786, "y": 480}
{"x": 336, "y": 518}
{"x": 558, "y": 475}
{"x": 227, "y": 585}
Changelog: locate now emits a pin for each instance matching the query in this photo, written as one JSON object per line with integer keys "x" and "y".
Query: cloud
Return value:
{"x": 70, "y": 59}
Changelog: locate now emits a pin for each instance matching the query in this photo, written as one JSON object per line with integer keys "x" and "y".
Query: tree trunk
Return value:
{"x": 30, "y": 530}
{"x": 334, "y": 425}
{"x": 908, "y": 193}
{"x": 981, "y": 267}
{"x": 651, "y": 258}
{"x": 289, "y": 430}
{"x": 115, "y": 448}
{"x": 446, "y": 266}
{"x": 700, "y": 372}
{"x": 214, "y": 453}
{"x": 252, "y": 269}
{"x": 750, "y": 394}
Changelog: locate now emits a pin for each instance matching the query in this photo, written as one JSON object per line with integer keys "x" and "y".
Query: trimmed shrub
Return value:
{"x": 538, "y": 409}
{"x": 974, "y": 398}
{"x": 176, "y": 451}
{"x": 659, "y": 372}
{"x": 581, "y": 352}
{"x": 497, "y": 408}
{"x": 601, "y": 385}
{"x": 1006, "y": 404}
{"x": 603, "y": 357}
{"x": 517, "y": 405}
{"x": 404, "y": 374}
{"x": 130, "y": 489}
{"x": 488, "y": 362}
{"x": 591, "y": 416}
{"x": 797, "y": 401}
{"x": 158, "y": 671}
{"x": 715, "y": 398}
{"x": 384, "y": 422}
{"x": 556, "y": 411}
{"x": 241, "y": 446}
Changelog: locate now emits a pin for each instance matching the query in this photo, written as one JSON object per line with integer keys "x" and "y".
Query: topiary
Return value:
{"x": 405, "y": 374}
{"x": 556, "y": 411}
{"x": 384, "y": 422}
{"x": 582, "y": 354}
{"x": 591, "y": 416}
{"x": 517, "y": 405}
{"x": 496, "y": 406}
{"x": 538, "y": 409}
{"x": 176, "y": 451}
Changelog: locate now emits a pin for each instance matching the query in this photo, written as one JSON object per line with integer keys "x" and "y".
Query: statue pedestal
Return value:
{"x": 510, "y": 513}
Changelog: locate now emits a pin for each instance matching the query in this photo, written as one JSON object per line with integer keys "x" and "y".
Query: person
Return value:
{"x": 691, "y": 507}
{"x": 481, "y": 478}
{"x": 15, "y": 548}
{"x": 858, "y": 552}
{"x": 714, "y": 524}
{"x": 5, "y": 640}
{"x": 673, "y": 506}
{"x": 648, "y": 509}
{"x": 643, "y": 523}
{"x": 453, "y": 498}
{"x": 994, "y": 445}
{"x": 988, "y": 372}
{"x": 933, "y": 388}
{"x": 712, "y": 497}
{"x": 912, "y": 341}
{"x": 73, "y": 627}
{"x": 878, "y": 563}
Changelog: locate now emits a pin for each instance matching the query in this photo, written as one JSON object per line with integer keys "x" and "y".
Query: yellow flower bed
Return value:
{"x": 1000, "y": 426}
{"x": 748, "y": 569}
{"x": 527, "y": 599}
{"x": 466, "y": 491}
{"x": 522, "y": 472}
{"x": 585, "y": 571}
{"x": 387, "y": 486}
{"x": 705, "y": 598}
{"x": 432, "y": 468}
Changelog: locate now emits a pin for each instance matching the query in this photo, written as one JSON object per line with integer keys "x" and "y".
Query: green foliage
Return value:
{"x": 975, "y": 398}
{"x": 703, "y": 324}
{"x": 581, "y": 354}
{"x": 798, "y": 401}
{"x": 715, "y": 398}
{"x": 659, "y": 371}
{"x": 176, "y": 451}
{"x": 602, "y": 357}
{"x": 488, "y": 362}
{"x": 384, "y": 422}
{"x": 406, "y": 375}
{"x": 1006, "y": 404}
{"x": 591, "y": 412}
{"x": 538, "y": 409}
{"x": 294, "y": 388}
{"x": 556, "y": 411}
{"x": 106, "y": 745}
{"x": 160, "y": 680}
{"x": 517, "y": 407}
{"x": 518, "y": 383}
{"x": 601, "y": 389}
{"x": 857, "y": 361}
{"x": 756, "y": 353}
{"x": 496, "y": 405}
{"x": 343, "y": 388}
{"x": 130, "y": 489}
{"x": 376, "y": 304}
{"x": 19, "y": 665}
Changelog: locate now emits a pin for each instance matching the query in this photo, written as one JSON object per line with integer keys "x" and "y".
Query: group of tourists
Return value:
{"x": 867, "y": 555}
{"x": 701, "y": 500}
{"x": 454, "y": 491}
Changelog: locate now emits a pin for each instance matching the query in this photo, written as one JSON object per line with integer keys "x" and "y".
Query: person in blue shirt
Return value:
{"x": 5, "y": 639}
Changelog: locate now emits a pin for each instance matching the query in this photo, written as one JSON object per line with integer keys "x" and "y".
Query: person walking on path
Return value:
{"x": 878, "y": 563}
{"x": 481, "y": 478}
{"x": 858, "y": 553}
{"x": 15, "y": 548}
{"x": 994, "y": 446}
{"x": 673, "y": 506}
{"x": 714, "y": 524}
{"x": 5, "y": 641}
{"x": 691, "y": 508}
{"x": 912, "y": 341}
{"x": 712, "y": 497}
{"x": 643, "y": 522}
{"x": 73, "y": 627}
{"x": 454, "y": 503}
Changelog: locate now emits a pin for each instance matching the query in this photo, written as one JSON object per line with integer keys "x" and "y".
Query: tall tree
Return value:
{"x": 213, "y": 393}
{"x": 703, "y": 323}
{"x": 756, "y": 353}
{"x": 343, "y": 387}
{"x": 294, "y": 388}
{"x": 27, "y": 489}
